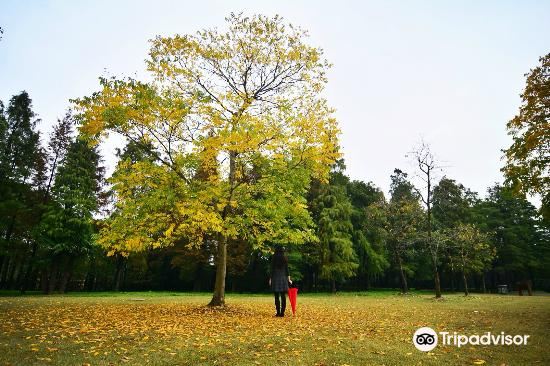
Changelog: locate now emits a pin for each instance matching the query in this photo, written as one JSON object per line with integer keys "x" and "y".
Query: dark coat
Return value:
{"x": 279, "y": 278}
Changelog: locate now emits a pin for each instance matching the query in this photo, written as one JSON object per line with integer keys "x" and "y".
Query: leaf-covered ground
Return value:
{"x": 177, "y": 329}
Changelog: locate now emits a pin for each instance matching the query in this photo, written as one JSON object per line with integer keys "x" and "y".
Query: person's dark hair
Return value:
{"x": 279, "y": 259}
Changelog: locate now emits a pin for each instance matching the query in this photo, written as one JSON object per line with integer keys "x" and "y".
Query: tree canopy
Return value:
{"x": 241, "y": 111}
{"x": 527, "y": 166}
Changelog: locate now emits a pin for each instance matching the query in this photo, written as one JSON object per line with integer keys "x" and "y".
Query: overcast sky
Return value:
{"x": 448, "y": 72}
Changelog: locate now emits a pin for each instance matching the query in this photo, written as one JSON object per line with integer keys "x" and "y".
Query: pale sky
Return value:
{"x": 449, "y": 72}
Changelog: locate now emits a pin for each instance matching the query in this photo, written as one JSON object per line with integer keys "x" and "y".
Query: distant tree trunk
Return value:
{"x": 197, "y": 278}
{"x": 5, "y": 279}
{"x": 4, "y": 273}
{"x": 437, "y": 283}
{"x": 91, "y": 280}
{"x": 30, "y": 268}
{"x": 89, "y": 275}
{"x": 52, "y": 276}
{"x": 3, "y": 269}
{"x": 333, "y": 286}
{"x": 452, "y": 281}
{"x": 65, "y": 275}
{"x": 465, "y": 283}
{"x": 218, "y": 298}
{"x": 52, "y": 282}
{"x": 44, "y": 280}
{"x": 120, "y": 262}
{"x": 11, "y": 270}
{"x": 17, "y": 273}
{"x": 404, "y": 286}
{"x": 483, "y": 287}
{"x": 452, "y": 276}
{"x": 32, "y": 281}
{"x": 27, "y": 277}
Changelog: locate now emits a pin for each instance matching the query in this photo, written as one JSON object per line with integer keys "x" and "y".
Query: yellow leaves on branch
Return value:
{"x": 229, "y": 117}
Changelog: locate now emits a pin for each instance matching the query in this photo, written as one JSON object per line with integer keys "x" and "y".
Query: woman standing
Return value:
{"x": 279, "y": 279}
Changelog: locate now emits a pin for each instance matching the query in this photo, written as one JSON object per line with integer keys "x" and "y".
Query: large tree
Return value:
{"x": 331, "y": 211}
{"x": 403, "y": 220}
{"x": 21, "y": 168}
{"x": 471, "y": 250}
{"x": 238, "y": 128}
{"x": 47, "y": 166}
{"x": 452, "y": 203}
{"x": 519, "y": 235}
{"x": 368, "y": 239}
{"x": 452, "y": 206}
{"x": 528, "y": 158}
{"x": 67, "y": 224}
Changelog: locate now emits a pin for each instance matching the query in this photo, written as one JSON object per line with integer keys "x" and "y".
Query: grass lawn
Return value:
{"x": 372, "y": 328}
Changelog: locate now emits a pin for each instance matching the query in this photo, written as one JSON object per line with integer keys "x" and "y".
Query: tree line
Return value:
{"x": 51, "y": 195}
{"x": 48, "y": 195}
{"x": 230, "y": 149}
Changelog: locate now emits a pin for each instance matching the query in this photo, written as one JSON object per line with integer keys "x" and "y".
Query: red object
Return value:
{"x": 292, "y": 295}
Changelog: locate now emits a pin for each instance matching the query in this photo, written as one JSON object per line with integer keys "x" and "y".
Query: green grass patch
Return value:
{"x": 151, "y": 328}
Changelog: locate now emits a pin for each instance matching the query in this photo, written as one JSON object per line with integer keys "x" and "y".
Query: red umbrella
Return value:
{"x": 292, "y": 295}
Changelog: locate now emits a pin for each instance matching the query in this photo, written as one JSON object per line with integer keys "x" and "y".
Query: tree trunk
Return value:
{"x": 452, "y": 276}
{"x": 5, "y": 279}
{"x": 52, "y": 277}
{"x": 65, "y": 276}
{"x": 4, "y": 273}
{"x": 44, "y": 280}
{"x": 119, "y": 270}
{"x": 465, "y": 283}
{"x": 65, "y": 272}
{"x": 18, "y": 273}
{"x": 233, "y": 284}
{"x": 333, "y": 286}
{"x": 452, "y": 281}
{"x": 197, "y": 278}
{"x": 9, "y": 275}
{"x": 30, "y": 268}
{"x": 483, "y": 287}
{"x": 437, "y": 284}
{"x": 218, "y": 299}
{"x": 33, "y": 280}
{"x": 404, "y": 286}
{"x": 94, "y": 281}
{"x": 89, "y": 275}
{"x": 3, "y": 269}
{"x": 430, "y": 243}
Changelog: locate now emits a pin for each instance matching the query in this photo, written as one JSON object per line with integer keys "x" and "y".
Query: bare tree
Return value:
{"x": 427, "y": 166}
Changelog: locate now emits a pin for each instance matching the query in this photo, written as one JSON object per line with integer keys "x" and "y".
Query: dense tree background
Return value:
{"x": 53, "y": 202}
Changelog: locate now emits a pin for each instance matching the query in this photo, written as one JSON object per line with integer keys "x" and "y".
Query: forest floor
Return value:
{"x": 372, "y": 328}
